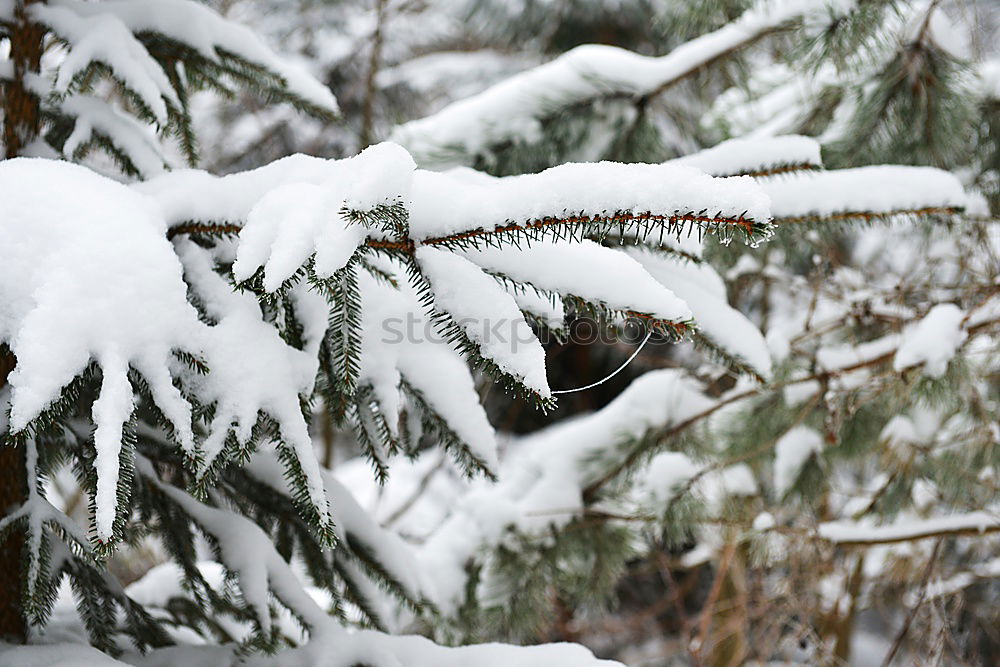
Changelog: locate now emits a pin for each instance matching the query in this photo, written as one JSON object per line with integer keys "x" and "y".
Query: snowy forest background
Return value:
{"x": 273, "y": 410}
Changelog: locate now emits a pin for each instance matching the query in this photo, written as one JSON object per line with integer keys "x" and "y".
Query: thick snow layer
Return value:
{"x": 932, "y": 341}
{"x": 287, "y": 226}
{"x": 570, "y": 189}
{"x": 829, "y": 193}
{"x": 587, "y": 270}
{"x": 754, "y": 155}
{"x": 103, "y": 38}
{"x": 487, "y": 314}
{"x": 513, "y": 109}
{"x": 542, "y": 480}
{"x": 64, "y": 302}
{"x": 274, "y": 381}
{"x": 791, "y": 453}
{"x": 443, "y": 204}
{"x": 705, "y": 293}
{"x": 195, "y": 25}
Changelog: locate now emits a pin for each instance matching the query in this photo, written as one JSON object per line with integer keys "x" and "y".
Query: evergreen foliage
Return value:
{"x": 811, "y": 420}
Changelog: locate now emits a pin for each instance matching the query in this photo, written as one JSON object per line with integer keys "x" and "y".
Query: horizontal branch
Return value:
{"x": 868, "y": 216}
{"x": 675, "y": 223}
{"x": 847, "y": 533}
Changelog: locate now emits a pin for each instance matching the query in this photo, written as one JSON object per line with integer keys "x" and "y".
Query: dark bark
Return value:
{"x": 20, "y": 127}
{"x": 13, "y": 492}
{"x": 20, "y": 105}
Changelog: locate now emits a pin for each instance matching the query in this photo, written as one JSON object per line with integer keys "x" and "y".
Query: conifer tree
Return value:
{"x": 177, "y": 340}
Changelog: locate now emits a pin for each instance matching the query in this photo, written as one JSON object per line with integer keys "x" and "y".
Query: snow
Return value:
{"x": 913, "y": 529}
{"x": 287, "y": 226}
{"x": 274, "y": 381}
{"x": 512, "y": 110}
{"x": 295, "y": 220}
{"x": 487, "y": 314}
{"x": 764, "y": 521}
{"x": 754, "y": 155}
{"x": 838, "y": 358}
{"x": 549, "y": 311}
{"x": 791, "y": 453}
{"x": 351, "y": 521}
{"x": 202, "y": 29}
{"x": 247, "y": 551}
{"x": 593, "y": 189}
{"x": 542, "y": 479}
{"x": 705, "y": 293}
{"x": 412, "y": 352}
{"x": 663, "y": 478}
{"x": 104, "y": 38}
{"x": 132, "y": 138}
{"x": 989, "y": 75}
{"x": 58, "y": 655}
{"x": 933, "y": 341}
{"x": 587, "y": 270}
{"x": 841, "y": 191}
{"x": 63, "y": 302}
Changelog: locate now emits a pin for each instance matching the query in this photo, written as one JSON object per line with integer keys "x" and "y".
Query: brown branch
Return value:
{"x": 594, "y": 487}
{"x": 867, "y": 216}
{"x": 958, "y": 531}
{"x": 409, "y": 245}
{"x": 621, "y": 218}
{"x": 916, "y": 607}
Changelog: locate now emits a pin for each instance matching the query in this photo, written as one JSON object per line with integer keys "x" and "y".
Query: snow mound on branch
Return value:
{"x": 933, "y": 341}
{"x": 204, "y": 30}
{"x": 663, "y": 478}
{"x": 487, "y": 314}
{"x": 89, "y": 276}
{"x": 602, "y": 188}
{"x": 748, "y": 155}
{"x": 851, "y": 191}
{"x": 104, "y": 38}
{"x": 705, "y": 293}
{"x": 513, "y": 109}
{"x": 377, "y": 175}
{"x": 587, "y": 270}
{"x": 791, "y": 453}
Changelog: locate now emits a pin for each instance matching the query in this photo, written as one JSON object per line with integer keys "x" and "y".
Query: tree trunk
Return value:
{"x": 13, "y": 492}
{"x": 20, "y": 128}
{"x": 20, "y": 105}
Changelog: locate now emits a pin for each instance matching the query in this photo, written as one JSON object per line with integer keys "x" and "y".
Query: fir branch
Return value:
{"x": 869, "y": 217}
